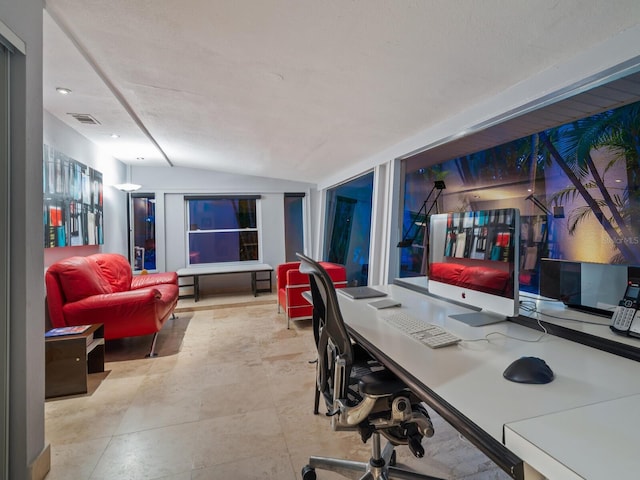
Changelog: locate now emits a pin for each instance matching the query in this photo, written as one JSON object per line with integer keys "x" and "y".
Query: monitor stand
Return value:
{"x": 478, "y": 319}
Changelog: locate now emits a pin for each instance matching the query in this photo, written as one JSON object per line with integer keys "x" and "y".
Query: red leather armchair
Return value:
{"x": 292, "y": 284}
{"x": 101, "y": 288}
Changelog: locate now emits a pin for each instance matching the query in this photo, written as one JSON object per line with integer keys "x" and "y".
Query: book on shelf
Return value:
{"x": 73, "y": 330}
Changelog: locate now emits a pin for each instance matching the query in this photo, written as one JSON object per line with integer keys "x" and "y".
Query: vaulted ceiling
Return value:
{"x": 300, "y": 89}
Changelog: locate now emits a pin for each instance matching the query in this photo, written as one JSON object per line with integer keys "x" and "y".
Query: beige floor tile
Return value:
{"x": 270, "y": 467}
{"x": 234, "y": 401}
{"x": 76, "y": 460}
{"x": 178, "y": 448}
{"x": 71, "y": 420}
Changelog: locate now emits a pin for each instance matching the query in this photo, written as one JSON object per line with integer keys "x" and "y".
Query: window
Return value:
{"x": 348, "y": 227}
{"x": 144, "y": 231}
{"x": 578, "y": 190}
{"x": 222, "y": 229}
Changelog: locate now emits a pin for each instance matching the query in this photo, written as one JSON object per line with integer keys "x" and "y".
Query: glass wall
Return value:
{"x": 348, "y": 227}
{"x": 577, "y": 188}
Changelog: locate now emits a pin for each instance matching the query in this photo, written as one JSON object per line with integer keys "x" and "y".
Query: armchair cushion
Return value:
{"x": 82, "y": 280}
{"x": 115, "y": 268}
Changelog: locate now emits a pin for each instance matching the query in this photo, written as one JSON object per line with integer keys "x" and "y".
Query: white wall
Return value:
{"x": 171, "y": 184}
{"x": 58, "y": 135}
{"x": 590, "y": 67}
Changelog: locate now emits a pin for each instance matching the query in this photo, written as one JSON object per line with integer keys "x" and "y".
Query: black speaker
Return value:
{"x": 561, "y": 280}
{"x": 633, "y": 274}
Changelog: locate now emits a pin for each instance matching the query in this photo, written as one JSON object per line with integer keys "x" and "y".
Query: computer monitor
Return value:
{"x": 474, "y": 260}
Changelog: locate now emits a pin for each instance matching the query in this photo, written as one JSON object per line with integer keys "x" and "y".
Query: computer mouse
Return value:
{"x": 529, "y": 370}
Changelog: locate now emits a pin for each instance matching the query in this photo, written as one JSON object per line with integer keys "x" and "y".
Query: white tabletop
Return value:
{"x": 597, "y": 441}
{"x": 469, "y": 375}
{"x": 223, "y": 268}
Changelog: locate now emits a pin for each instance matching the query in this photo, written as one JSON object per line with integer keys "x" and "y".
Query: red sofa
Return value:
{"x": 484, "y": 279}
{"x": 292, "y": 284}
{"x": 101, "y": 288}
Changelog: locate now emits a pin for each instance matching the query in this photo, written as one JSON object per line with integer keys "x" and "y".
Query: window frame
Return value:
{"x": 257, "y": 228}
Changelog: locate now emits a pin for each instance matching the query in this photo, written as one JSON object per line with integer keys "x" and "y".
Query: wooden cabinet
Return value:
{"x": 70, "y": 358}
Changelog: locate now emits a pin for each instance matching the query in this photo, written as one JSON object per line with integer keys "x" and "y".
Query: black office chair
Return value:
{"x": 359, "y": 393}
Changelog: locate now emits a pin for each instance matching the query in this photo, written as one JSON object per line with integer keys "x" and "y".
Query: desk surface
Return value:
{"x": 601, "y": 426}
{"x": 468, "y": 376}
{"x": 224, "y": 268}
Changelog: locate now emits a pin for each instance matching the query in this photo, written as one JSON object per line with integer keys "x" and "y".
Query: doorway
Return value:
{"x": 293, "y": 225}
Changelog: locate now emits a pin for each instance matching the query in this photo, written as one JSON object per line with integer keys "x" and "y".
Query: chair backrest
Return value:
{"x": 332, "y": 337}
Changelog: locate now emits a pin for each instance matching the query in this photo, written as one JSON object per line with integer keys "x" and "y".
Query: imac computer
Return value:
{"x": 474, "y": 260}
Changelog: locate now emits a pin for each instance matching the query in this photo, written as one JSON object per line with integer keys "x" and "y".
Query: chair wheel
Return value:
{"x": 392, "y": 460}
{"x": 309, "y": 473}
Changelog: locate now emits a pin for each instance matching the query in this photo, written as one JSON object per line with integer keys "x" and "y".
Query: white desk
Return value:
{"x": 606, "y": 447}
{"x": 464, "y": 383}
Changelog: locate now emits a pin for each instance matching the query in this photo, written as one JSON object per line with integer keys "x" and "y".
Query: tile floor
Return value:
{"x": 234, "y": 402}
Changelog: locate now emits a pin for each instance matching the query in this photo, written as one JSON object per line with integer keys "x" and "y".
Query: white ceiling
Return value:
{"x": 296, "y": 89}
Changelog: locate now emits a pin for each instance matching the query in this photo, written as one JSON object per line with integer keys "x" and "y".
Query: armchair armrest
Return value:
{"x": 151, "y": 279}
{"x": 294, "y": 277}
{"x": 281, "y": 273}
{"x": 124, "y": 314}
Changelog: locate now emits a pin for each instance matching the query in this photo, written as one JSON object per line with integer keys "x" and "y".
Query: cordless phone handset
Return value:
{"x": 624, "y": 317}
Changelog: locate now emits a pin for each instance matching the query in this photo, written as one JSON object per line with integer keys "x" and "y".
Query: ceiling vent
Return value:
{"x": 85, "y": 118}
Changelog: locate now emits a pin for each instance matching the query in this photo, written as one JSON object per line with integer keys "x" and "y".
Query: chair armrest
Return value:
{"x": 124, "y": 314}
{"x": 151, "y": 279}
{"x": 281, "y": 273}
{"x": 130, "y": 301}
{"x": 294, "y": 277}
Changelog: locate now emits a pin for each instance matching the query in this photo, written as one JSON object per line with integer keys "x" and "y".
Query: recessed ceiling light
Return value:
{"x": 115, "y": 135}
{"x": 618, "y": 180}
{"x": 63, "y": 91}
{"x": 529, "y": 190}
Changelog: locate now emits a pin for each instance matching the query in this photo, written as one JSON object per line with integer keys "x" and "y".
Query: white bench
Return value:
{"x": 222, "y": 269}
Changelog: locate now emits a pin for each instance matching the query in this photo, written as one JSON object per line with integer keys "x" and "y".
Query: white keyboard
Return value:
{"x": 431, "y": 335}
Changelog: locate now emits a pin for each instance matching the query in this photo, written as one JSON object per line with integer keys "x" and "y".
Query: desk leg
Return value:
{"x": 254, "y": 282}
{"x": 196, "y": 288}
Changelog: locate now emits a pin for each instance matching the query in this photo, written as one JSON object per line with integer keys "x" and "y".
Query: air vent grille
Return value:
{"x": 85, "y": 118}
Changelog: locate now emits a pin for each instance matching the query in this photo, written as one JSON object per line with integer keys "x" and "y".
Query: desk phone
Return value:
{"x": 626, "y": 317}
